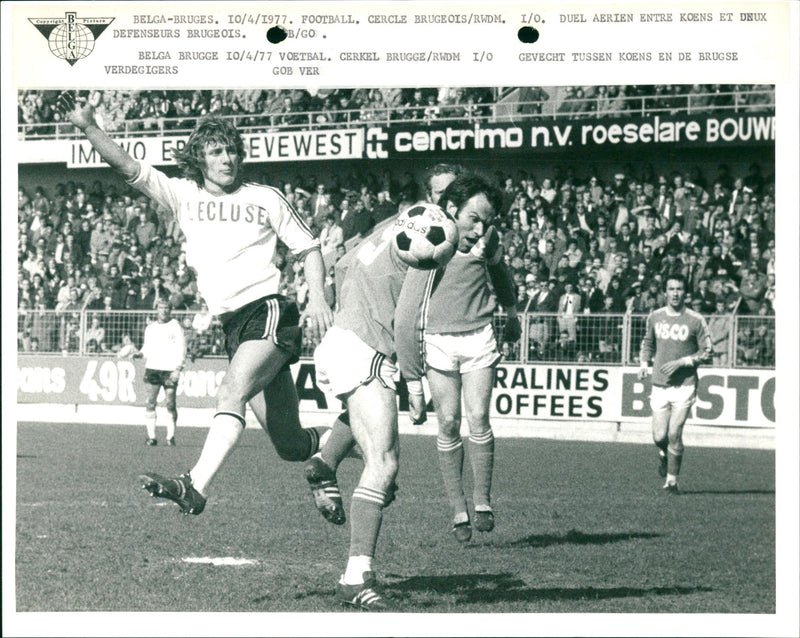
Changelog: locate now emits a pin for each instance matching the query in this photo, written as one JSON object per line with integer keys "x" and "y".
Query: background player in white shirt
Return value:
{"x": 231, "y": 229}
{"x": 677, "y": 339}
{"x": 164, "y": 350}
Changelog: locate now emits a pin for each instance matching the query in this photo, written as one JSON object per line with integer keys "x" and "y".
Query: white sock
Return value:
{"x": 171, "y": 428}
{"x": 222, "y": 437}
{"x": 356, "y": 566}
{"x": 671, "y": 478}
{"x": 150, "y": 424}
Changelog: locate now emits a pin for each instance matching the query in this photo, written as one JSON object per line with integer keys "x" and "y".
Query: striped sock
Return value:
{"x": 451, "y": 464}
{"x": 481, "y": 454}
{"x": 366, "y": 515}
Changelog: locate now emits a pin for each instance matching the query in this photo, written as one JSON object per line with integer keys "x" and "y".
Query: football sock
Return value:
{"x": 171, "y": 424}
{"x": 481, "y": 454}
{"x": 340, "y": 442}
{"x": 674, "y": 463}
{"x": 451, "y": 464}
{"x": 366, "y": 515}
{"x": 356, "y": 566}
{"x": 150, "y": 424}
{"x": 225, "y": 430}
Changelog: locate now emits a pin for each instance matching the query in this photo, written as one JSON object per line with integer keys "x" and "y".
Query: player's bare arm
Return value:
{"x": 317, "y": 309}
{"x": 81, "y": 114}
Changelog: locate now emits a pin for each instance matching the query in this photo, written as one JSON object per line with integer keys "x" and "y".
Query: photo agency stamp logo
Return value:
{"x": 71, "y": 38}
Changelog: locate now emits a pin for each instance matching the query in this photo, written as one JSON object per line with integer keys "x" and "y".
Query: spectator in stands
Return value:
{"x": 720, "y": 327}
{"x": 563, "y": 349}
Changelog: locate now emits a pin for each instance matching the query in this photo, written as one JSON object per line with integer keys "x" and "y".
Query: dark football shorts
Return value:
{"x": 273, "y": 317}
{"x": 159, "y": 377}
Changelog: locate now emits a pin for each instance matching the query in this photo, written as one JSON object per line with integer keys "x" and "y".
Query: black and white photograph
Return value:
{"x": 248, "y": 396}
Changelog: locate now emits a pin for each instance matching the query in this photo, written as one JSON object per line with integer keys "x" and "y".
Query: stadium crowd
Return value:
{"x": 580, "y": 245}
{"x": 143, "y": 111}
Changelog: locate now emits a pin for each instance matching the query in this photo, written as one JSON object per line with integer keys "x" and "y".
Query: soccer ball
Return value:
{"x": 425, "y": 236}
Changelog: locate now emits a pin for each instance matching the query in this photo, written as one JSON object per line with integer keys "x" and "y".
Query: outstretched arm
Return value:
{"x": 81, "y": 114}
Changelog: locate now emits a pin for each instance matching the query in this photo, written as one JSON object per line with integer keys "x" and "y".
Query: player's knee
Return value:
{"x": 230, "y": 397}
{"x": 292, "y": 451}
{"x": 449, "y": 425}
{"x": 478, "y": 423}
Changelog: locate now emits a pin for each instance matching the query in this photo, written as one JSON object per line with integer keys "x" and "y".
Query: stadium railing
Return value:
{"x": 754, "y": 100}
{"x": 592, "y": 339}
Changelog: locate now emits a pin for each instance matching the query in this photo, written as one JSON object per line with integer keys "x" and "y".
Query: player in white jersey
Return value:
{"x": 164, "y": 351}
{"x": 677, "y": 339}
{"x": 231, "y": 231}
{"x": 460, "y": 344}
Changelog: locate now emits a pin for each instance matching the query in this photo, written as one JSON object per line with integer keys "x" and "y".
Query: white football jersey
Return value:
{"x": 164, "y": 345}
{"x": 230, "y": 238}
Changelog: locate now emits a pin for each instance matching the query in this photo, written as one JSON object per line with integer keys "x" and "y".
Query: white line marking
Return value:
{"x": 217, "y": 561}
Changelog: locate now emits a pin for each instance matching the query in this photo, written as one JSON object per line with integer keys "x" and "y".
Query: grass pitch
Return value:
{"x": 581, "y": 527}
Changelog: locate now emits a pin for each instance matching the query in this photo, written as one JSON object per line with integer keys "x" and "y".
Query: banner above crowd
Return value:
{"x": 457, "y": 140}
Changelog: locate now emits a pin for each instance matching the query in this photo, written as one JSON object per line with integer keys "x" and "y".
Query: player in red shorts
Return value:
{"x": 677, "y": 339}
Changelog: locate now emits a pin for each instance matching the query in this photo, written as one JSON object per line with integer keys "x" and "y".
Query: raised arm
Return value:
{"x": 81, "y": 114}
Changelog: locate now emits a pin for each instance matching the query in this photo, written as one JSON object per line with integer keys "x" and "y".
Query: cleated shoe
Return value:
{"x": 171, "y": 442}
{"x": 671, "y": 489}
{"x": 462, "y": 531}
{"x": 178, "y": 490}
{"x": 151, "y": 442}
{"x": 325, "y": 490}
{"x": 484, "y": 520}
{"x": 363, "y": 596}
{"x": 391, "y": 494}
{"x": 662, "y": 464}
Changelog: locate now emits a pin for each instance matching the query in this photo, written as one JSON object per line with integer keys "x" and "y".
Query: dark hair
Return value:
{"x": 466, "y": 186}
{"x": 675, "y": 277}
{"x": 210, "y": 130}
{"x": 441, "y": 169}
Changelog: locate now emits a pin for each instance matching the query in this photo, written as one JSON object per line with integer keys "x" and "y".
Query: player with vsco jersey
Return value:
{"x": 357, "y": 361}
{"x": 231, "y": 229}
{"x": 677, "y": 340}
{"x": 164, "y": 350}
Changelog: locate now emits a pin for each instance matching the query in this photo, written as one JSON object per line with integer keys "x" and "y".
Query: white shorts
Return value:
{"x": 343, "y": 362}
{"x": 462, "y": 351}
{"x": 677, "y": 396}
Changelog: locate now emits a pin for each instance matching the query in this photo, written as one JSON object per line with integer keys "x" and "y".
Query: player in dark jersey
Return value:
{"x": 677, "y": 340}
{"x": 357, "y": 361}
{"x": 461, "y": 350}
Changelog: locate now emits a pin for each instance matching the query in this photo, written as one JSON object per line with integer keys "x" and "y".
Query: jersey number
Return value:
{"x": 369, "y": 252}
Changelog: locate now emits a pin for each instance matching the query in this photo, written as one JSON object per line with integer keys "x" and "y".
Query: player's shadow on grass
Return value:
{"x": 505, "y": 587}
{"x": 575, "y": 537}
